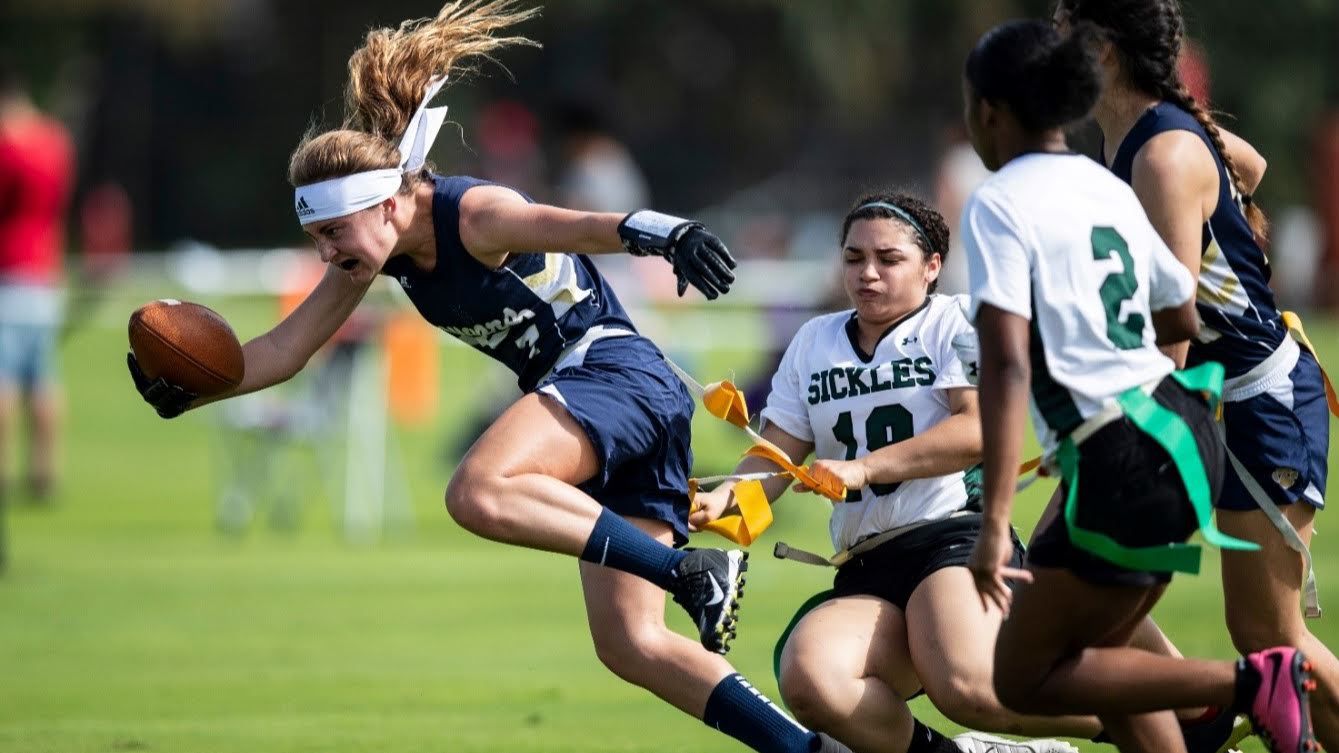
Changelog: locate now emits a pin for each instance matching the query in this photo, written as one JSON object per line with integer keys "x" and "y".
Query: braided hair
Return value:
{"x": 1147, "y": 35}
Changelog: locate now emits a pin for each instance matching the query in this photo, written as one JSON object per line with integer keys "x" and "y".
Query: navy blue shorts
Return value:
{"x": 1282, "y": 437}
{"x": 639, "y": 417}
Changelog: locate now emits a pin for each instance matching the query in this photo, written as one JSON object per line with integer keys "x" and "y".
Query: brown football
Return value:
{"x": 187, "y": 344}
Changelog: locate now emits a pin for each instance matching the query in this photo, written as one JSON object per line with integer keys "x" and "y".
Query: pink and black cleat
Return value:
{"x": 1279, "y": 710}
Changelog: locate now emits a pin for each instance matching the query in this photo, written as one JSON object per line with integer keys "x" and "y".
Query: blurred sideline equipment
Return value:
{"x": 375, "y": 368}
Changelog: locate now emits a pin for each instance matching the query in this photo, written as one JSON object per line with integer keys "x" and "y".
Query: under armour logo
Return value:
{"x": 304, "y": 210}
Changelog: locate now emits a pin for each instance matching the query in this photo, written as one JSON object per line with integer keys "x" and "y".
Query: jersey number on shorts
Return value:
{"x": 887, "y": 424}
{"x": 1117, "y": 288}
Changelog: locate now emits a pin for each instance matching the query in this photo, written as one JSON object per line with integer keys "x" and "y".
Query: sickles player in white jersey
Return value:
{"x": 879, "y": 397}
{"x": 1072, "y": 292}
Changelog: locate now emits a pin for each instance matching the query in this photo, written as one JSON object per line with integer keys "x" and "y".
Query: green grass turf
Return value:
{"x": 129, "y": 623}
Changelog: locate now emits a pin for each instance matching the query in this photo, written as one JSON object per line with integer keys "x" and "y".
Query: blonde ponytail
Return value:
{"x": 388, "y": 76}
{"x": 390, "y": 72}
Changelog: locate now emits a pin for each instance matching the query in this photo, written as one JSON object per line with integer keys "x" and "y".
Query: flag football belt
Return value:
{"x": 1170, "y": 431}
{"x": 784, "y": 551}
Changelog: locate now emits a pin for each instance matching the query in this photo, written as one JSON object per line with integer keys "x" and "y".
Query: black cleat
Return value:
{"x": 1220, "y": 734}
{"x": 708, "y": 584}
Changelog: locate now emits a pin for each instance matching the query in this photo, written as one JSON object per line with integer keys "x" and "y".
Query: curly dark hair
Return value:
{"x": 1047, "y": 81}
{"x": 934, "y": 229}
{"x": 1147, "y": 35}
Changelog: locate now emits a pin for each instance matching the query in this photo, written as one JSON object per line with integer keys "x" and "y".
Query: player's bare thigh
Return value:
{"x": 534, "y": 435}
{"x": 850, "y": 638}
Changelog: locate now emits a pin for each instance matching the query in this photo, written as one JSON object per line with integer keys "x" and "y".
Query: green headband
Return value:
{"x": 903, "y": 215}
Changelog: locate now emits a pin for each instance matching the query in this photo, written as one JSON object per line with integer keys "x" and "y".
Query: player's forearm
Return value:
{"x": 947, "y": 447}
{"x": 796, "y": 449}
{"x": 772, "y": 487}
{"x": 579, "y": 232}
{"x": 265, "y": 366}
{"x": 1004, "y": 396}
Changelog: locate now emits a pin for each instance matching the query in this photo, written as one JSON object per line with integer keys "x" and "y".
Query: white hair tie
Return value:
{"x": 347, "y": 194}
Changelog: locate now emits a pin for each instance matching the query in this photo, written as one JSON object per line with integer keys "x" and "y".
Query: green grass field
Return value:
{"x": 128, "y": 622}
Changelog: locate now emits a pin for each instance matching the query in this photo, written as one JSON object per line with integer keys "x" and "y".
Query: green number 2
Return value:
{"x": 1117, "y": 288}
{"x": 887, "y": 424}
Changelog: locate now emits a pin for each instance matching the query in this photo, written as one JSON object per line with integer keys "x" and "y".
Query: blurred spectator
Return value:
{"x": 959, "y": 173}
{"x": 1294, "y": 255}
{"x": 1326, "y": 177}
{"x": 36, "y": 173}
{"x": 509, "y": 153}
{"x": 598, "y": 173}
{"x": 1193, "y": 68}
{"x": 105, "y": 221}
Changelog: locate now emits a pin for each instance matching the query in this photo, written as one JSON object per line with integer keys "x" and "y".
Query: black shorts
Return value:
{"x": 893, "y": 569}
{"x": 1130, "y": 490}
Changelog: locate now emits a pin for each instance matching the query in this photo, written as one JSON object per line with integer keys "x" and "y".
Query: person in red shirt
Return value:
{"x": 36, "y": 173}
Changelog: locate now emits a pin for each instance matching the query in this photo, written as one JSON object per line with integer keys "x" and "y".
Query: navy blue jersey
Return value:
{"x": 524, "y": 313}
{"x": 1241, "y": 323}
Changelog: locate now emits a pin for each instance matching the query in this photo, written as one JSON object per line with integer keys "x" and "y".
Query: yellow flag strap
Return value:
{"x": 725, "y": 401}
{"x": 1294, "y": 324}
{"x": 755, "y": 514}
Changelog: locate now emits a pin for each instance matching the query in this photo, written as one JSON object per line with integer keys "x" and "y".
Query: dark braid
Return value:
{"x": 1148, "y": 36}
{"x": 1181, "y": 97}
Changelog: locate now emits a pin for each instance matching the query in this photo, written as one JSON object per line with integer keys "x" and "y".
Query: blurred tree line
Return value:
{"x": 194, "y": 105}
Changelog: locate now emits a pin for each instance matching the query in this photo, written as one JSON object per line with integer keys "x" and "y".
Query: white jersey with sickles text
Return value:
{"x": 850, "y": 403}
{"x": 1060, "y": 241}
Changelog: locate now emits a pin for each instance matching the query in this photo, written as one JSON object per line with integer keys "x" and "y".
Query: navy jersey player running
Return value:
{"x": 1195, "y": 182}
{"x": 1071, "y": 285}
{"x": 593, "y": 460}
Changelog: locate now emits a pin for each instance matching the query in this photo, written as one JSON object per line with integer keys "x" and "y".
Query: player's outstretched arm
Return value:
{"x": 710, "y": 505}
{"x": 275, "y": 356}
{"x": 281, "y": 353}
{"x": 496, "y": 221}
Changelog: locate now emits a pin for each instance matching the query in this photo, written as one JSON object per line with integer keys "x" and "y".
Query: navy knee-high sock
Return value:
{"x": 740, "y": 711}
{"x": 623, "y": 546}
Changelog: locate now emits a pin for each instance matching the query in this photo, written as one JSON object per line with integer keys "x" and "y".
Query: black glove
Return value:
{"x": 168, "y": 399}
{"x": 699, "y": 258}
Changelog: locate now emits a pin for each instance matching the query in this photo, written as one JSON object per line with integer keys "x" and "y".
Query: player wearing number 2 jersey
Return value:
{"x": 879, "y": 396}
{"x": 1072, "y": 292}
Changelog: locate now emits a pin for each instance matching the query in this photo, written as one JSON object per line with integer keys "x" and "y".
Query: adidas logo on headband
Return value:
{"x": 344, "y": 195}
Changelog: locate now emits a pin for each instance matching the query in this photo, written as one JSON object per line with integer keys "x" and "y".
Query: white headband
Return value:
{"x": 345, "y": 195}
